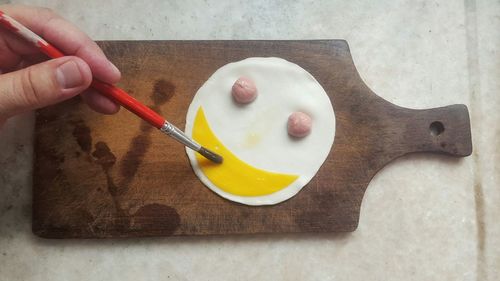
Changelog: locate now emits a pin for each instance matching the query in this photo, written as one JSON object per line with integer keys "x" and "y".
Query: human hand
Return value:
{"x": 27, "y": 83}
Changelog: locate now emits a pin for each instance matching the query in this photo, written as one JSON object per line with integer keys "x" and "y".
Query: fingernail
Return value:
{"x": 68, "y": 75}
{"x": 115, "y": 69}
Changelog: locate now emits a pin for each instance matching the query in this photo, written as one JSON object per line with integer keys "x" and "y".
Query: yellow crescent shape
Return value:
{"x": 233, "y": 175}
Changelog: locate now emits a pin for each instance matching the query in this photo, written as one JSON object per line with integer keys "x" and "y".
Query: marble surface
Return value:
{"x": 424, "y": 217}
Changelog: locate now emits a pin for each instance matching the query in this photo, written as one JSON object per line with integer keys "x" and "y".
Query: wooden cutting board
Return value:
{"x": 115, "y": 176}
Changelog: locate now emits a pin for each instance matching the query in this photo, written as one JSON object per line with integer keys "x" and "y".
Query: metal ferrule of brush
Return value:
{"x": 179, "y": 135}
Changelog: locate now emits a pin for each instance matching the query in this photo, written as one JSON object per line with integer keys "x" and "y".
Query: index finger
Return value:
{"x": 66, "y": 37}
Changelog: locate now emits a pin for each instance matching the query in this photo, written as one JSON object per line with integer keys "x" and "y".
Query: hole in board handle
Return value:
{"x": 436, "y": 128}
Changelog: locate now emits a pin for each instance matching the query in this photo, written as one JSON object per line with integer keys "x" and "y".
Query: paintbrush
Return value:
{"x": 114, "y": 93}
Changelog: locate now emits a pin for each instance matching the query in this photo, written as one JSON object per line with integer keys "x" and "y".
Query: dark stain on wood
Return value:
{"x": 81, "y": 132}
{"x": 163, "y": 91}
{"x": 135, "y": 154}
{"x": 154, "y": 177}
{"x": 107, "y": 159}
{"x": 104, "y": 156}
{"x": 157, "y": 218}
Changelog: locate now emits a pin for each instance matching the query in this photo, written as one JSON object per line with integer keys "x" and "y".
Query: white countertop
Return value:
{"x": 424, "y": 217}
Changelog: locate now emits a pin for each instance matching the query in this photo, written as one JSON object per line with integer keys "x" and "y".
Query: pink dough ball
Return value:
{"x": 299, "y": 124}
{"x": 244, "y": 90}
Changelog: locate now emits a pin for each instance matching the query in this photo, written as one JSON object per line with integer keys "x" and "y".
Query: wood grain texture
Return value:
{"x": 101, "y": 176}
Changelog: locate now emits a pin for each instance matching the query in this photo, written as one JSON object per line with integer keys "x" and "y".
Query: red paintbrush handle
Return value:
{"x": 133, "y": 105}
{"x": 116, "y": 94}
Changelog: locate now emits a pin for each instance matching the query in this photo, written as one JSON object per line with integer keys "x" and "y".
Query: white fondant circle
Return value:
{"x": 257, "y": 132}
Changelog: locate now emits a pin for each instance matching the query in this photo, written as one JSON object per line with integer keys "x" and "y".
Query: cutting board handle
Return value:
{"x": 439, "y": 130}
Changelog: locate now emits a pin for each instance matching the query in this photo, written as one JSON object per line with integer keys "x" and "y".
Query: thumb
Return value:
{"x": 42, "y": 84}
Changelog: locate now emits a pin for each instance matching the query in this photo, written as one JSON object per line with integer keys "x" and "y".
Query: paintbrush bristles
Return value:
{"x": 212, "y": 156}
